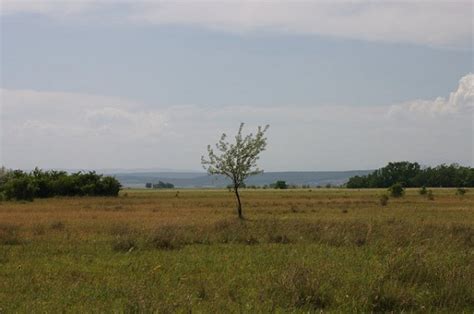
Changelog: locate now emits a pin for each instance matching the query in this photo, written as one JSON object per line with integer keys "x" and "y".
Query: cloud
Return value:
{"x": 434, "y": 23}
{"x": 73, "y": 130}
{"x": 49, "y": 8}
{"x": 459, "y": 101}
{"x": 71, "y": 114}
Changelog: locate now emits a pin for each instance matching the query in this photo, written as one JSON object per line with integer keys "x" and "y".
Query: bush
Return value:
{"x": 19, "y": 185}
{"x": 163, "y": 185}
{"x": 413, "y": 175}
{"x": 20, "y": 188}
{"x": 280, "y": 185}
{"x": 396, "y": 190}
{"x": 461, "y": 191}
{"x": 423, "y": 190}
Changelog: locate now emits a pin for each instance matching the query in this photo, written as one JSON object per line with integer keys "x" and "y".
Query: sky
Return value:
{"x": 148, "y": 85}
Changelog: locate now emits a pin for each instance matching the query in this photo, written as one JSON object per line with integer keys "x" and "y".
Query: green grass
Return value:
{"x": 298, "y": 251}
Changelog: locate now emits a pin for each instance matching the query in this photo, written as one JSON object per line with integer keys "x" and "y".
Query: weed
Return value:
{"x": 423, "y": 190}
{"x": 124, "y": 244}
{"x": 386, "y": 297}
{"x": 121, "y": 229}
{"x": 57, "y": 225}
{"x": 279, "y": 238}
{"x": 39, "y": 230}
{"x": 461, "y": 191}
{"x": 299, "y": 287}
{"x": 167, "y": 238}
{"x": 383, "y": 199}
{"x": 233, "y": 231}
{"x": 430, "y": 195}
{"x": 9, "y": 234}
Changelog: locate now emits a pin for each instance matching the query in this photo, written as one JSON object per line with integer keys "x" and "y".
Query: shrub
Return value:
{"x": 461, "y": 191}
{"x": 163, "y": 185}
{"x": 383, "y": 199}
{"x": 413, "y": 175}
{"x": 108, "y": 186}
{"x": 280, "y": 185}
{"x": 19, "y": 185}
{"x": 20, "y": 188}
{"x": 396, "y": 190}
{"x": 423, "y": 190}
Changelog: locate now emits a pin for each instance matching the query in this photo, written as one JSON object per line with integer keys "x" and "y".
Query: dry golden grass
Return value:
{"x": 297, "y": 250}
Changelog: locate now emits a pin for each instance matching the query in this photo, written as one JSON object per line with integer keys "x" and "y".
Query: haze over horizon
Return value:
{"x": 343, "y": 86}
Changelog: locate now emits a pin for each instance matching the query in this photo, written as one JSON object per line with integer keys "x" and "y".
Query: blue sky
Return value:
{"x": 102, "y": 85}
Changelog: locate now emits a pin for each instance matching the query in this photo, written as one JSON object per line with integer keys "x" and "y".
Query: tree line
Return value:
{"x": 159, "y": 185}
{"x": 21, "y": 185}
{"x": 411, "y": 174}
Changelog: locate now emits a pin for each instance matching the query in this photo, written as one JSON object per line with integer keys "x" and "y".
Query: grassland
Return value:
{"x": 298, "y": 251}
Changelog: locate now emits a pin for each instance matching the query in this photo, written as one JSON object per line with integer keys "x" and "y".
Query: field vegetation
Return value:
{"x": 411, "y": 174}
{"x": 328, "y": 250}
{"x": 20, "y": 185}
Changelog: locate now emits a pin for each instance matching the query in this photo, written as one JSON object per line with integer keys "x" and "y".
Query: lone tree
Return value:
{"x": 236, "y": 160}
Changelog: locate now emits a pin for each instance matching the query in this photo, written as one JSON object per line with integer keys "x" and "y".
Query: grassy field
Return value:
{"x": 331, "y": 250}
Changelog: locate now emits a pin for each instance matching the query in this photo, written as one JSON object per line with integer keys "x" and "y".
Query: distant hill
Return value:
{"x": 202, "y": 180}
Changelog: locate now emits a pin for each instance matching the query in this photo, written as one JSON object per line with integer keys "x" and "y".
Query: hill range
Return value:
{"x": 202, "y": 180}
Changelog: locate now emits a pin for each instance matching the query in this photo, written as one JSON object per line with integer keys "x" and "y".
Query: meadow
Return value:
{"x": 312, "y": 250}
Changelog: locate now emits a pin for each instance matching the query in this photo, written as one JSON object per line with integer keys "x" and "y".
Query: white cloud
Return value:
{"x": 459, "y": 101}
{"x": 435, "y": 23}
{"x": 70, "y": 130}
{"x": 27, "y": 112}
{"x": 55, "y": 8}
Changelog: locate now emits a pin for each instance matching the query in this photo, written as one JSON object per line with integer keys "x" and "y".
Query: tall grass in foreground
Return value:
{"x": 299, "y": 251}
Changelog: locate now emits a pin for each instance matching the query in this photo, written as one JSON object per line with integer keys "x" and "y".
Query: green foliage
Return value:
{"x": 423, "y": 190}
{"x": 159, "y": 185}
{"x": 163, "y": 185}
{"x": 19, "y": 185}
{"x": 20, "y": 188}
{"x": 279, "y": 185}
{"x": 461, "y": 191}
{"x": 197, "y": 258}
{"x": 412, "y": 175}
{"x": 238, "y": 160}
{"x": 396, "y": 190}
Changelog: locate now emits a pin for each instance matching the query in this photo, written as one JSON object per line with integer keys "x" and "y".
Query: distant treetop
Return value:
{"x": 410, "y": 174}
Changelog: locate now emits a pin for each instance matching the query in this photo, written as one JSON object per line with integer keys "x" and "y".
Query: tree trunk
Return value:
{"x": 239, "y": 204}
